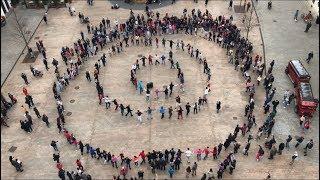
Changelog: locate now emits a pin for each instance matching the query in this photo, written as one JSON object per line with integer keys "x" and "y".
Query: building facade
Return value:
{"x": 5, "y": 7}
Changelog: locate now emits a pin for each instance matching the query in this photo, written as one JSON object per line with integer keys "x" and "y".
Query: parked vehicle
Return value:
{"x": 297, "y": 73}
{"x": 306, "y": 104}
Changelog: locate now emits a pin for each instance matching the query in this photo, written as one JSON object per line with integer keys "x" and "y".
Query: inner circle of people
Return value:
{"x": 167, "y": 89}
{"x": 147, "y": 31}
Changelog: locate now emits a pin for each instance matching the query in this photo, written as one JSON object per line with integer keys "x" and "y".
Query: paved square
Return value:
{"x": 105, "y": 128}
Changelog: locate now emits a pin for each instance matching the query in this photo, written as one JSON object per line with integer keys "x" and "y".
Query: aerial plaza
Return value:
{"x": 160, "y": 89}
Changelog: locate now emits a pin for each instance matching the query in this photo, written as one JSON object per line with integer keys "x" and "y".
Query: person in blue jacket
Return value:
{"x": 162, "y": 111}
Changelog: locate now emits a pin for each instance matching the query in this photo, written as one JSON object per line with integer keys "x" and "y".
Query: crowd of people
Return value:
{"x": 167, "y": 89}
{"x": 227, "y": 36}
{"x": 225, "y": 39}
{"x": 6, "y": 106}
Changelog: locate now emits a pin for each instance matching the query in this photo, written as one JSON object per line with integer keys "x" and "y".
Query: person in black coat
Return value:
{"x": 226, "y": 144}
{"x": 275, "y": 104}
{"x": 308, "y": 26}
{"x": 218, "y": 106}
{"x": 177, "y": 163}
{"x": 81, "y": 147}
{"x": 299, "y": 141}
{"x": 246, "y": 149}
{"x": 45, "y": 18}
{"x": 69, "y": 175}
{"x": 36, "y": 111}
{"x": 45, "y": 119}
{"x": 281, "y": 147}
{"x": 56, "y": 157}
{"x": 61, "y": 174}
{"x": 310, "y": 56}
{"x": 219, "y": 148}
{"x": 308, "y": 146}
{"x": 17, "y": 164}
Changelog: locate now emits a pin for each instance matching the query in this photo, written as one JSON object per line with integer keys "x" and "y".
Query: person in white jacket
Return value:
{"x": 107, "y": 101}
{"x": 188, "y": 154}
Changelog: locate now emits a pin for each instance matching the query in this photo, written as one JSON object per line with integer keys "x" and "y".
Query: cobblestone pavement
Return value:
{"x": 110, "y": 131}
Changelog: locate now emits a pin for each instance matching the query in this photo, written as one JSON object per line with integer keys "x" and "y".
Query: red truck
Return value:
{"x": 297, "y": 73}
{"x": 306, "y": 104}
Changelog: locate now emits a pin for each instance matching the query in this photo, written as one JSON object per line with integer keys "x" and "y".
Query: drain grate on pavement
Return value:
{"x": 235, "y": 118}
{"x": 28, "y": 59}
{"x": 12, "y": 149}
{"x": 77, "y": 87}
{"x": 69, "y": 113}
{"x": 72, "y": 101}
{"x": 37, "y": 38}
{"x": 239, "y": 9}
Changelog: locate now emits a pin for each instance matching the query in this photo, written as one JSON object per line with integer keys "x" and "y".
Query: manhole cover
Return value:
{"x": 77, "y": 87}
{"x": 69, "y": 113}
{"x": 37, "y": 37}
{"x": 234, "y": 118}
{"x": 139, "y": 55}
{"x": 45, "y": 34}
{"x": 72, "y": 101}
{"x": 274, "y": 20}
{"x": 12, "y": 149}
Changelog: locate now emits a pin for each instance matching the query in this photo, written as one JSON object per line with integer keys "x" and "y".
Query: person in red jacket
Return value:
{"x": 67, "y": 135}
{"x": 13, "y": 99}
{"x": 143, "y": 156}
{"x": 136, "y": 160}
{"x": 206, "y": 153}
{"x": 124, "y": 171}
{"x": 179, "y": 110}
{"x": 150, "y": 60}
{"x": 73, "y": 140}
{"x": 78, "y": 162}
{"x": 214, "y": 152}
{"x": 243, "y": 129}
{"x": 198, "y": 153}
{"x": 25, "y": 91}
{"x": 59, "y": 166}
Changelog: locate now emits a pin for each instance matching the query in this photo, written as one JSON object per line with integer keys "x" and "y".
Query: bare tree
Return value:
{"x": 248, "y": 22}
{"x": 20, "y": 29}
